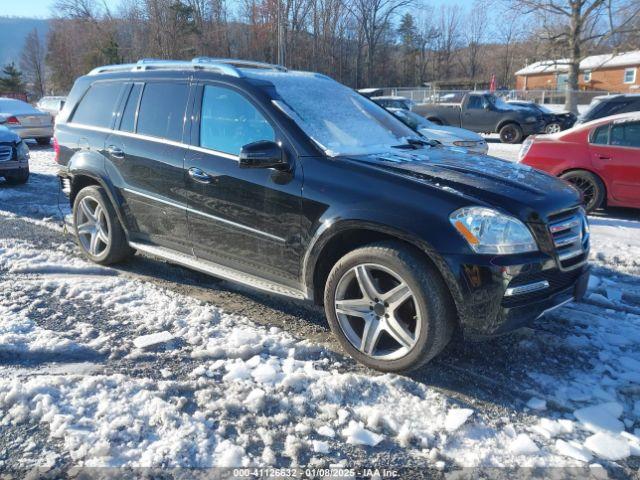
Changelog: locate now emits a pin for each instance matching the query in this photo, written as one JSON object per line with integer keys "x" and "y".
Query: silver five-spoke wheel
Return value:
{"x": 92, "y": 226}
{"x": 377, "y": 311}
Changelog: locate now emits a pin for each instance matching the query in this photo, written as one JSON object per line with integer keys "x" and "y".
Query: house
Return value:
{"x": 613, "y": 72}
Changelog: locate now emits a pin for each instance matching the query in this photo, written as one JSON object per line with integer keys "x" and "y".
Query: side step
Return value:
{"x": 220, "y": 271}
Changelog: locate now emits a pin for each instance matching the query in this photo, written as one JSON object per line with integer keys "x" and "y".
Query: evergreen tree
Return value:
{"x": 11, "y": 80}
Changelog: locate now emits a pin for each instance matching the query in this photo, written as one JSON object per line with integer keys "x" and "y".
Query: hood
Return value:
{"x": 480, "y": 179}
{"x": 7, "y": 135}
{"x": 450, "y": 133}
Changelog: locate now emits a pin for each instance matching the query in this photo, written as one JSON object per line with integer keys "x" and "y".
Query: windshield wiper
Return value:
{"x": 416, "y": 143}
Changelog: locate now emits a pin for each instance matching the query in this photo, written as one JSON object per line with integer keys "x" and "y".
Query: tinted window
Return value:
{"x": 626, "y": 134}
{"x": 97, "y": 106}
{"x": 601, "y": 135}
{"x": 229, "y": 121}
{"x": 610, "y": 108}
{"x": 129, "y": 115}
{"x": 476, "y": 101}
{"x": 162, "y": 110}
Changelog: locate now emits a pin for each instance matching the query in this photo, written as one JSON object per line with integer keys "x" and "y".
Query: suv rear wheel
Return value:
{"x": 388, "y": 307}
{"x": 98, "y": 230}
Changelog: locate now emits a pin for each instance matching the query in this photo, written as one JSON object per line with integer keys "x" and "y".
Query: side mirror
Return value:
{"x": 263, "y": 154}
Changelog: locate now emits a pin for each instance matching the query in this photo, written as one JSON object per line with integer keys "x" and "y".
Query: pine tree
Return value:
{"x": 11, "y": 80}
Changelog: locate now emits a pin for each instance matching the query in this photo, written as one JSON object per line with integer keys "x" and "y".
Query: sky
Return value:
{"x": 42, "y": 8}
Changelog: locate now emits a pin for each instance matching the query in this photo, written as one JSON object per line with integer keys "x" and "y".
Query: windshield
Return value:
{"x": 339, "y": 120}
{"x": 412, "y": 119}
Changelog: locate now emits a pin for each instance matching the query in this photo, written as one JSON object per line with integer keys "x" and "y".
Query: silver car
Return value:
{"x": 446, "y": 135}
{"x": 26, "y": 121}
{"x": 51, "y": 105}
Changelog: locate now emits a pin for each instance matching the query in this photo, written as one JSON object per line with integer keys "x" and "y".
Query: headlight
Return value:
{"x": 489, "y": 231}
{"x": 23, "y": 150}
{"x": 531, "y": 119}
{"x": 524, "y": 148}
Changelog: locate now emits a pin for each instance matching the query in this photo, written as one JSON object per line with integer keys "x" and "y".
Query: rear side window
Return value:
{"x": 162, "y": 110}
{"x": 626, "y": 134}
{"x": 128, "y": 123}
{"x": 601, "y": 135}
{"x": 98, "y": 105}
{"x": 611, "y": 108}
{"x": 229, "y": 121}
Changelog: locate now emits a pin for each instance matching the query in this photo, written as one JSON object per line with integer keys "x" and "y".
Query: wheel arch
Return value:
{"x": 507, "y": 121}
{"x": 333, "y": 242}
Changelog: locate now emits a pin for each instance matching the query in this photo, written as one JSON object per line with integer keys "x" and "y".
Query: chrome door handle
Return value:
{"x": 199, "y": 176}
{"x": 115, "y": 152}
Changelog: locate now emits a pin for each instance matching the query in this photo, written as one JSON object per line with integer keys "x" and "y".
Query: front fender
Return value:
{"x": 330, "y": 227}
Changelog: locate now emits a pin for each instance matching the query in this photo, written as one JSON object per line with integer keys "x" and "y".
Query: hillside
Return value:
{"x": 13, "y": 31}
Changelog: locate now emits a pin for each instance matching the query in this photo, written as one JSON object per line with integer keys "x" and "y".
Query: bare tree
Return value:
{"x": 475, "y": 33}
{"x": 32, "y": 62}
{"x": 576, "y": 27}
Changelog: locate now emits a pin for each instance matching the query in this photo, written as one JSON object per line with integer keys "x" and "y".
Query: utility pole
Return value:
{"x": 280, "y": 32}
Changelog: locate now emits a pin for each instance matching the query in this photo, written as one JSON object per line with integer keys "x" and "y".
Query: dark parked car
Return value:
{"x": 483, "y": 112}
{"x": 607, "y": 105}
{"x": 14, "y": 157}
{"x": 233, "y": 169}
{"x": 554, "y": 122}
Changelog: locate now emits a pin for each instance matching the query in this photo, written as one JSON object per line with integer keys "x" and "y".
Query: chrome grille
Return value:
{"x": 6, "y": 152}
{"x": 570, "y": 233}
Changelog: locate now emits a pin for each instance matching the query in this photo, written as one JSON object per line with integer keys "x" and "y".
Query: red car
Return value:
{"x": 601, "y": 158}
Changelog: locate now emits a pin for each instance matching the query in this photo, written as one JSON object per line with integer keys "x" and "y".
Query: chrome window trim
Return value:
{"x": 150, "y": 138}
{"x": 203, "y": 214}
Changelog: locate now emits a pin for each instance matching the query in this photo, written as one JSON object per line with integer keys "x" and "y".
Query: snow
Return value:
{"x": 229, "y": 388}
{"x": 523, "y": 445}
{"x": 607, "y": 446}
{"x": 456, "y": 417}
{"x": 146, "y": 341}
{"x": 592, "y": 62}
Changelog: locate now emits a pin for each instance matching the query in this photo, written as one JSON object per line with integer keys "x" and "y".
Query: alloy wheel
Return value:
{"x": 92, "y": 226}
{"x": 376, "y": 309}
{"x": 588, "y": 189}
{"x": 553, "y": 128}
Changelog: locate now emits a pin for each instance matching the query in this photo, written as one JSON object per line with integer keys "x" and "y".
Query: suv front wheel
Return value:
{"x": 98, "y": 230}
{"x": 389, "y": 307}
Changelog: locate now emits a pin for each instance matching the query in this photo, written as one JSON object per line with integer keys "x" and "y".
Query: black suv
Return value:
{"x": 295, "y": 184}
{"x": 607, "y": 105}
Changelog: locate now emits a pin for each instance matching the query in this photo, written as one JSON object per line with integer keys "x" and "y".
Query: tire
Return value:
{"x": 102, "y": 239}
{"x": 592, "y": 188}
{"x": 424, "y": 321}
{"x": 511, "y": 133}
{"x": 19, "y": 178}
{"x": 553, "y": 127}
{"x": 43, "y": 140}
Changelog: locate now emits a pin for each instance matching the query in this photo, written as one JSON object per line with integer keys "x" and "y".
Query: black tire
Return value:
{"x": 43, "y": 140}
{"x": 117, "y": 248}
{"x": 19, "y": 178}
{"x": 511, "y": 133}
{"x": 592, "y": 188}
{"x": 430, "y": 297}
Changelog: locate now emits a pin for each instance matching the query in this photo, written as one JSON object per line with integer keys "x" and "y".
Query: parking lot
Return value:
{"x": 240, "y": 378}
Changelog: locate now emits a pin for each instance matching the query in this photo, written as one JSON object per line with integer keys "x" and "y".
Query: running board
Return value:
{"x": 220, "y": 271}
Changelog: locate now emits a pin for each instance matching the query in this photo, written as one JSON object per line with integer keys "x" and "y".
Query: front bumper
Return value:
{"x": 502, "y": 294}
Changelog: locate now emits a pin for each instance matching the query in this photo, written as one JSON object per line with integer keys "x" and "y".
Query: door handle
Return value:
{"x": 603, "y": 157}
{"x": 115, "y": 152}
{"x": 199, "y": 176}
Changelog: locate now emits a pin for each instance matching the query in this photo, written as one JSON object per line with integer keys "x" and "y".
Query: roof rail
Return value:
{"x": 225, "y": 66}
{"x": 236, "y": 62}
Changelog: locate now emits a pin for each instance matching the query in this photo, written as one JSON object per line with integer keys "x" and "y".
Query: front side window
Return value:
{"x": 601, "y": 135}
{"x": 586, "y": 76}
{"x": 626, "y": 134}
{"x": 162, "y": 110}
{"x": 630, "y": 75}
{"x": 475, "y": 102}
{"x": 228, "y": 121}
{"x": 97, "y": 107}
